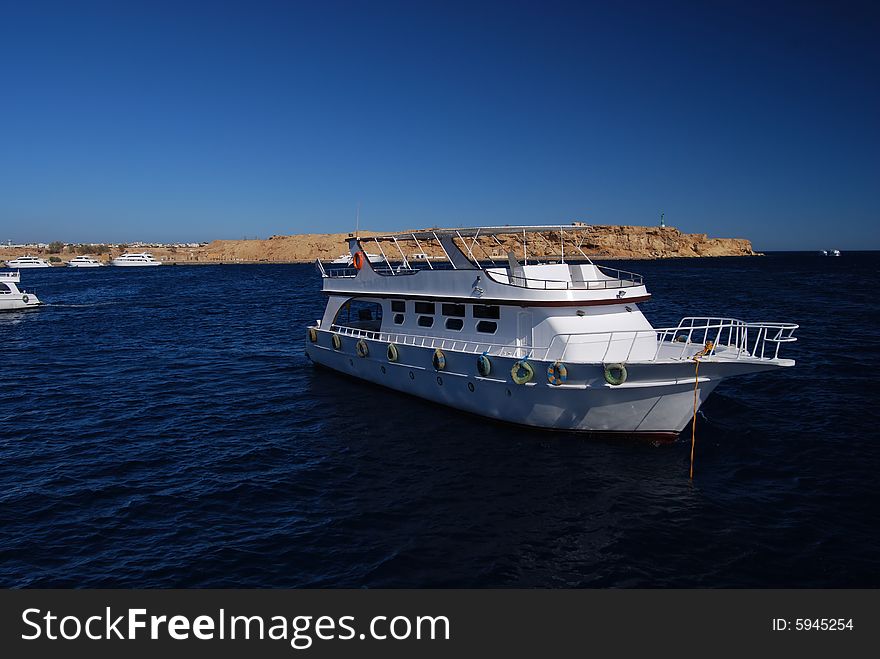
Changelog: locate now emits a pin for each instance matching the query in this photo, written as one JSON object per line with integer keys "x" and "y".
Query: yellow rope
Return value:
{"x": 709, "y": 347}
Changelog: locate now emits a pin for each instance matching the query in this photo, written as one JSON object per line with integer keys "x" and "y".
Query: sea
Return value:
{"x": 162, "y": 427}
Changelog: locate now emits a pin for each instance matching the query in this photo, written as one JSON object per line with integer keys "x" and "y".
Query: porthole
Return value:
{"x": 383, "y": 369}
{"x": 439, "y": 380}
{"x": 351, "y": 362}
{"x": 412, "y": 376}
{"x": 508, "y": 393}
{"x": 470, "y": 386}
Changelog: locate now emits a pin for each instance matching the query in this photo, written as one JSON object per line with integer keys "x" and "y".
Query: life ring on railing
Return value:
{"x": 615, "y": 374}
{"x": 313, "y": 335}
{"x": 361, "y": 348}
{"x": 25, "y": 299}
{"x": 484, "y": 365}
{"x": 359, "y": 260}
{"x": 392, "y": 353}
{"x": 557, "y": 373}
{"x": 337, "y": 342}
{"x": 522, "y": 372}
{"x": 439, "y": 360}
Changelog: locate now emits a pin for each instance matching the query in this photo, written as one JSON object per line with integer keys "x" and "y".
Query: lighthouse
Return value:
{"x": 662, "y": 221}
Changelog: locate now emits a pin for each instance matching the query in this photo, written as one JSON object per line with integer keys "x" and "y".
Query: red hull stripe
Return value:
{"x": 483, "y": 300}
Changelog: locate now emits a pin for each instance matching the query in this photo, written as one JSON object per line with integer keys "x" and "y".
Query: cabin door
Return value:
{"x": 524, "y": 329}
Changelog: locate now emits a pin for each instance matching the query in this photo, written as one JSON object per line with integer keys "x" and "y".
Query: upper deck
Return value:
{"x": 465, "y": 269}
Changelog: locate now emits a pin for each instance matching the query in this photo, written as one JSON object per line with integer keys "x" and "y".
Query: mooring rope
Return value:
{"x": 709, "y": 347}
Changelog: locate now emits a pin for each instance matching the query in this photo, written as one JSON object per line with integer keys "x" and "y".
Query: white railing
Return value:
{"x": 730, "y": 338}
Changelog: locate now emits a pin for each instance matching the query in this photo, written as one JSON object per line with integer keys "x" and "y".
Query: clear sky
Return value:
{"x": 181, "y": 120}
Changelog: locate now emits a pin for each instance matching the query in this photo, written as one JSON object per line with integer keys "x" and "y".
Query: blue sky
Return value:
{"x": 190, "y": 121}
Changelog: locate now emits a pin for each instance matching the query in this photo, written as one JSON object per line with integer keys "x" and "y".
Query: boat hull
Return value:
{"x": 656, "y": 399}
{"x": 135, "y": 265}
{"x": 17, "y": 303}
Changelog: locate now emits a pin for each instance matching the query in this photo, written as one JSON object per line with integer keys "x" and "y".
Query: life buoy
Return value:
{"x": 313, "y": 335}
{"x": 484, "y": 365}
{"x": 25, "y": 299}
{"x": 359, "y": 260}
{"x": 439, "y": 360}
{"x": 557, "y": 373}
{"x": 522, "y": 372}
{"x": 337, "y": 342}
{"x": 680, "y": 338}
{"x": 361, "y": 348}
{"x": 392, "y": 353}
{"x": 615, "y": 374}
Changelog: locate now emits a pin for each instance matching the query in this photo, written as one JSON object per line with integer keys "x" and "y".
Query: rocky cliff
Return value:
{"x": 622, "y": 242}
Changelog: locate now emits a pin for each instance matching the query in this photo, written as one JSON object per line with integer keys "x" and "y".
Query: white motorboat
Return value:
{"x": 28, "y": 262}
{"x": 835, "y": 252}
{"x": 84, "y": 262}
{"x": 135, "y": 259}
{"x": 11, "y": 297}
{"x": 347, "y": 259}
{"x": 561, "y": 346}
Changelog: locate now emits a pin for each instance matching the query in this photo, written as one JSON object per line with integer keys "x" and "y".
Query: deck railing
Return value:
{"x": 733, "y": 338}
{"x": 617, "y": 278}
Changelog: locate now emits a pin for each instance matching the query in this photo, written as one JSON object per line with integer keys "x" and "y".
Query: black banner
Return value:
{"x": 427, "y": 623}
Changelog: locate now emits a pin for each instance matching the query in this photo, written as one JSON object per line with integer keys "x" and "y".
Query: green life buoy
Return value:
{"x": 392, "y": 353}
{"x": 557, "y": 373}
{"x": 337, "y": 342}
{"x": 522, "y": 372}
{"x": 361, "y": 348}
{"x": 484, "y": 365}
{"x": 439, "y": 360}
{"x": 615, "y": 374}
{"x": 313, "y": 335}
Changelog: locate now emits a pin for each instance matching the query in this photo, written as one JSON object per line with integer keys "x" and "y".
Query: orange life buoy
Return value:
{"x": 359, "y": 260}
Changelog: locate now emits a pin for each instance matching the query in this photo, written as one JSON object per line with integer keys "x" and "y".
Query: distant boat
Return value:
{"x": 11, "y": 298}
{"x": 835, "y": 252}
{"x": 133, "y": 259}
{"x": 84, "y": 262}
{"x": 824, "y": 252}
{"x": 28, "y": 262}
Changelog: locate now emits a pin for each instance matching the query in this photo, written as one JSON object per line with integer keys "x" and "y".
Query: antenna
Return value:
{"x": 357, "y": 221}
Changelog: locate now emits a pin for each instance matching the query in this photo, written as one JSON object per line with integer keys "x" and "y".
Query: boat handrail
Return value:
{"x": 754, "y": 341}
{"x": 558, "y": 284}
{"x": 618, "y": 278}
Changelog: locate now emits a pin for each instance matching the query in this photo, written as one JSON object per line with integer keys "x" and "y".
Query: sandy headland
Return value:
{"x": 597, "y": 241}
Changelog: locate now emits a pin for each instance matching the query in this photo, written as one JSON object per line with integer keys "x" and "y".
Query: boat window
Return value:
{"x": 360, "y": 314}
{"x": 484, "y": 311}
{"x": 487, "y": 326}
{"x": 425, "y": 307}
{"x": 454, "y": 324}
{"x": 398, "y": 319}
{"x": 4, "y": 289}
{"x": 426, "y": 321}
{"x": 398, "y": 305}
{"x": 453, "y": 310}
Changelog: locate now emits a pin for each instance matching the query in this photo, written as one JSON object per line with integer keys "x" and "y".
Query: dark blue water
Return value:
{"x": 162, "y": 427}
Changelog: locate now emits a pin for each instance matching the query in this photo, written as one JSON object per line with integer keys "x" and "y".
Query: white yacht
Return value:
{"x": 84, "y": 262}
{"x": 135, "y": 259}
{"x": 28, "y": 262}
{"x": 11, "y": 297}
{"x": 561, "y": 346}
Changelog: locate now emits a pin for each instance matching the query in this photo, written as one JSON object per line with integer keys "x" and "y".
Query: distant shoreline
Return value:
{"x": 607, "y": 242}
